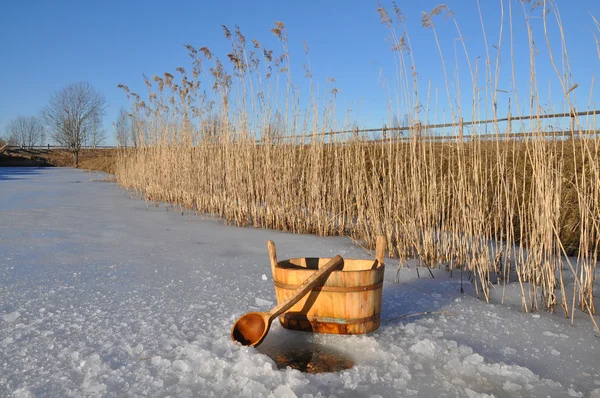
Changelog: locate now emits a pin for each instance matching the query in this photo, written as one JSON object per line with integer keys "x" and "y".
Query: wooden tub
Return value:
{"x": 349, "y": 302}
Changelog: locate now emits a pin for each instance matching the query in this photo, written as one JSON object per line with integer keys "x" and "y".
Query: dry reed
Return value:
{"x": 495, "y": 207}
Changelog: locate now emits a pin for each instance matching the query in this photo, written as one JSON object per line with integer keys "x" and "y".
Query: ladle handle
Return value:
{"x": 306, "y": 286}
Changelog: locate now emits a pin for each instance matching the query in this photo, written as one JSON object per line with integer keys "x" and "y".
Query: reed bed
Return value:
{"x": 214, "y": 141}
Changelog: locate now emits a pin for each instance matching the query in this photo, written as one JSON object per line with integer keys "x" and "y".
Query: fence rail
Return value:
{"x": 461, "y": 124}
{"x": 58, "y": 147}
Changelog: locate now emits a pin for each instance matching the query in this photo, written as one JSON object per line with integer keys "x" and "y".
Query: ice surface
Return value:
{"x": 101, "y": 297}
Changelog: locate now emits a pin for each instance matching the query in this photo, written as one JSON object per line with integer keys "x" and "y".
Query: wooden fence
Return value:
{"x": 461, "y": 124}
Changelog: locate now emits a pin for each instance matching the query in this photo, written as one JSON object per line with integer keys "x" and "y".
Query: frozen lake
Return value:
{"x": 101, "y": 296}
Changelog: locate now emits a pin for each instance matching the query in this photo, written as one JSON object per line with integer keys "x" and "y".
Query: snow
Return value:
{"x": 102, "y": 296}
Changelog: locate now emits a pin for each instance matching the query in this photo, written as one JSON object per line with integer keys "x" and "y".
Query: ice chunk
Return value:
{"x": 424, "y": 348}
{"x": 459, "y": 382}
{"x": 473, "y": 394}
{"x": 181, "y": 365}
{"x": 283, "y": 391}
{"x": 573, "y": 393}
{"x": 510, "y": 387}
{"x": 454, "y": 363}
{"x": 138, "y": 349}
{"x": 22, "y": 393}
{"x": 156, "y": 360}
{"x": 550, "y": 334}
{"x": 264, "y": 277}
{"x": 262, "y": 302}
{"x": 507, "y": 351}
{"x": 158, "y": 383}
{"x": 93, "y": 389}
{"x": 11, "y": 317}
{"x": 464, "y": 350}
{"x": 474, "y": 358}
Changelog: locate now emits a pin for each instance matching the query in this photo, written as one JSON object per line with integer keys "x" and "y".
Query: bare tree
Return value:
{"x": 71, "y": 114}
{"x": 97, "y": 134}
{"x": 136, "y": 129}
{"x": 210, "y": 128}
{"x": 398, "y": 123}
{"x": 276, "y": 127}
{"x": 122, "y": 128}
{"x": 25, "y": 131}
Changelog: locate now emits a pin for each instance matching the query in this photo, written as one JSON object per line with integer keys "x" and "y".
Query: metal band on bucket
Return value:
{"x": 332, "y": 288}
{"x": 291, "y": 316}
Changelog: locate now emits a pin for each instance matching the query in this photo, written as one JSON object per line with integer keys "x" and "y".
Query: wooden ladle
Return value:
{"x": 252, "y": 328}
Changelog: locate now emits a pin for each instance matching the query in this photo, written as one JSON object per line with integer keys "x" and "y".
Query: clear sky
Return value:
{"x": 45, "y": 45}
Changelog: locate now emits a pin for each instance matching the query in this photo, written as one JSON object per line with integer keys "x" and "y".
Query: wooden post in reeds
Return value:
{"x": 384, "y": 132}
{"x": 509, "y": 124}
{"x": 460, "y": 129}
{"x": 572, "y": 122}
{"x": 418, "y": 129}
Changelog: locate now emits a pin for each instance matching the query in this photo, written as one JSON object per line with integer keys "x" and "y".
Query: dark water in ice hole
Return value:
{"x": 307, "y": 357}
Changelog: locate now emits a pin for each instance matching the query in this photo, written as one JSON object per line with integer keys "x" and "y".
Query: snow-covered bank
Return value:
{"x": 100, "y": 296}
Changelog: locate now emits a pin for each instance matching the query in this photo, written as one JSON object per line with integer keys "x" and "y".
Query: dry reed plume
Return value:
{"x": 213, "y": 140}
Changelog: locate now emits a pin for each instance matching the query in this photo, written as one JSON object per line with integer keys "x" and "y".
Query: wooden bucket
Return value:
{"x": 349, "y": 302}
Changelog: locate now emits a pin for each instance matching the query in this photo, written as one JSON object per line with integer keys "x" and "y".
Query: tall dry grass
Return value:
{"x": 213, "y": 140}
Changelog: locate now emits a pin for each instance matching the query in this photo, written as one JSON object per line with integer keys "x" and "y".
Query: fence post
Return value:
{"x": 572, "y": 122}
{"x": 384, "y": 132}
{"x": 509, "y": 127}
{"x": 460, "y": 129}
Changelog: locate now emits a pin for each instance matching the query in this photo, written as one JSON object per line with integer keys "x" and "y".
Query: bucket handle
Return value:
{"x": 380, "y": 247}
{"x": 272, "y": 256}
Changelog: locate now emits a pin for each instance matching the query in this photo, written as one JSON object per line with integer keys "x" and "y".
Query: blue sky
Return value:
{"x": 47, "y": 45}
